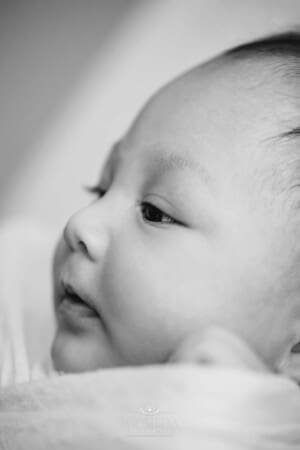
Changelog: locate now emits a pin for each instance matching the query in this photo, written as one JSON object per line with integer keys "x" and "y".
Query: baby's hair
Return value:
{"x": 281, "y": 52}
{"x": 285, "y": 45}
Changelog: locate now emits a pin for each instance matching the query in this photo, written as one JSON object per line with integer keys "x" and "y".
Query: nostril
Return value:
{"x": 73, "y": 241}
{"x": 82, "y": 246}
{"x": 84, "y": 237}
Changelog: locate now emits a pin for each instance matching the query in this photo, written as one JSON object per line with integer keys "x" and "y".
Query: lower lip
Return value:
{"x": 74, "y": 307}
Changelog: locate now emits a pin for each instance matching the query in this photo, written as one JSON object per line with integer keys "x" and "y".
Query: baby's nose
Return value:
{"x": 84, "y": 233}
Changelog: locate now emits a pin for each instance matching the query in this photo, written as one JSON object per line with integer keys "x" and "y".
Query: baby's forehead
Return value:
{"x": 237, "y": 101}
{"x": 157, "y": 159}
{"x": 207, "y": 120}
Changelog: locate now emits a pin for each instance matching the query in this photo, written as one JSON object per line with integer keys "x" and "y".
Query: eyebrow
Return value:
{"x": 167, "y": 160}
{"x": 170, "y": 161}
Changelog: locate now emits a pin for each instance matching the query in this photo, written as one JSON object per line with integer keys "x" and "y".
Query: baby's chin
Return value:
{"x": 81, "y": 353}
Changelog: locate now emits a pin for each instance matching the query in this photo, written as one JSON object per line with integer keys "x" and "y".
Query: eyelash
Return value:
{"x": 95, "y": 190}
{"x": 99, "y": 192}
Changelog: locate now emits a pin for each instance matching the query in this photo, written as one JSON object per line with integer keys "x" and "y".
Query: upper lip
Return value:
{"x": 69, "y": 288}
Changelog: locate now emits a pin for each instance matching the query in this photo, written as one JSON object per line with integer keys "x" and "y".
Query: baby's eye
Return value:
{"x": 153, "y": 214}
{"x": 149, "y": 211}
{"x": 96, "y": 190}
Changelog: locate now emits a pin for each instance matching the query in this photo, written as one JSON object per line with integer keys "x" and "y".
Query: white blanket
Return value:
{"x": 155, "y": 407}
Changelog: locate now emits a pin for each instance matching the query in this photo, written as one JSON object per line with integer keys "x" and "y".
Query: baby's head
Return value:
{"x": 198, "y": 222}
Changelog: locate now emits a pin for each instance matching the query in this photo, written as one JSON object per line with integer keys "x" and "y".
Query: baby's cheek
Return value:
{"x": 138, "y": 308}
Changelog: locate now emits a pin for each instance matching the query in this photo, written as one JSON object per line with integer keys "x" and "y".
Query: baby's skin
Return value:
{"x": 188, "y": 228}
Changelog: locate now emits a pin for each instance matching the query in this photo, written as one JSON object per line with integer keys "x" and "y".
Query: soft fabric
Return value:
{"x": 154, "y": 407}
{"x": 26, "y": 314}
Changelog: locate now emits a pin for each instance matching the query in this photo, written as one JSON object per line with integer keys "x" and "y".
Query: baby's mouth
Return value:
{"x": 72, "y": 302}
{"x": 76, "y": 305}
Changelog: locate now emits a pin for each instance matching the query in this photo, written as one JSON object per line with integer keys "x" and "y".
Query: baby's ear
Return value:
{"x": 290, "y": 364}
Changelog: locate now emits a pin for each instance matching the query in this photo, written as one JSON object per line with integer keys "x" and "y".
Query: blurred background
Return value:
{"x": 74, "y": 73}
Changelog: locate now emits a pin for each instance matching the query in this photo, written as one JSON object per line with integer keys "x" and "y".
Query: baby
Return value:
{"x": 195, "y": 221}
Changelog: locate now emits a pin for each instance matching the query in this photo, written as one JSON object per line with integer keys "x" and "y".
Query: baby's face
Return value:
{"x": 186, "y": 235}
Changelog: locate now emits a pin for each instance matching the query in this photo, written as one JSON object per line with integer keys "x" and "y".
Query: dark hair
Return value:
{"x": 284, "y": 45}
